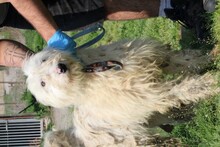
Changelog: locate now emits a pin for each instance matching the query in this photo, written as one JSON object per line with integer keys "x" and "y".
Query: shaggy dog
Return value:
{"x": 112, "y": 107}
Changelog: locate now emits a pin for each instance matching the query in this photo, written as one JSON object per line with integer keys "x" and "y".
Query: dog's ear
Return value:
{"x": 26, "y": 67}
{"x": 32, "y": 63}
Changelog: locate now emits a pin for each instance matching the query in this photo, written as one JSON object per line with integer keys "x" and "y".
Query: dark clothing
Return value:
{"x": 3, "y": 12}
{"x": 68, "y": 14}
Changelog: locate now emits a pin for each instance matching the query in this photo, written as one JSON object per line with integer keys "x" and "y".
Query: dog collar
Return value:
{"x": 103, "y": 66}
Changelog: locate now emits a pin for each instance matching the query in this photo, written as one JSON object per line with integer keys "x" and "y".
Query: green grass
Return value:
{"x": 159, "y": 28}
{"x": 33, "y": 40}
{"x": 204, "y": 129}
{"x": 216, "y": 24}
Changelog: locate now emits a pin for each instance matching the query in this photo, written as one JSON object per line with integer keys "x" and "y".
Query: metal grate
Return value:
{"x": 20, "y": 132}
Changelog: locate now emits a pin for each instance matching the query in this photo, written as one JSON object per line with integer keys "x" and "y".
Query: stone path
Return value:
{"x": 12, "y": 74}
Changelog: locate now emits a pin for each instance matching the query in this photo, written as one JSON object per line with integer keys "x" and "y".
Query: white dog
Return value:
{"x": 111, "y": 106}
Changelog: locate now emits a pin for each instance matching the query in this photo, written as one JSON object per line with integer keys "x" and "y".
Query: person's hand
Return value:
{"x": 62, "y": 41}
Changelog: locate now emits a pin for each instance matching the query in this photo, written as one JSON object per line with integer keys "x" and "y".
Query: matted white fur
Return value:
{"x": 112, "y": 106}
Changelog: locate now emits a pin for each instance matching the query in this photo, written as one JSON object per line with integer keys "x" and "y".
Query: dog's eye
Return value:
{"x": 43, "y": 83}
{"x": 43, "y": 60}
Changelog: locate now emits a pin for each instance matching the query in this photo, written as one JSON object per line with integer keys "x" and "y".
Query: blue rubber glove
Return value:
{"x": 62, "y": 41}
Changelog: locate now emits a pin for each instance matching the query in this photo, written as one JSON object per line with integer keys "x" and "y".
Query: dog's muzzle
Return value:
{"x": 61, "y": 68}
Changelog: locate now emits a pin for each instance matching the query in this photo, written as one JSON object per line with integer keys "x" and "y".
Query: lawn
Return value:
{"x": 204, "y": 129}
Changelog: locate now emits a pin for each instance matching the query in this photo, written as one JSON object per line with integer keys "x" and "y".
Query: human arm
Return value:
{"x": 13, "y": 53}
{"x": 37, "y": 14}
{"x": 131, "y": 9}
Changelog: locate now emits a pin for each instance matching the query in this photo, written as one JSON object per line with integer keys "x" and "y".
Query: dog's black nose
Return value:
{"x": 62, "y": 67}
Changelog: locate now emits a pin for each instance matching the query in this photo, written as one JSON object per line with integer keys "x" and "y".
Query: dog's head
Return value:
{"x": 49, "y": 77}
